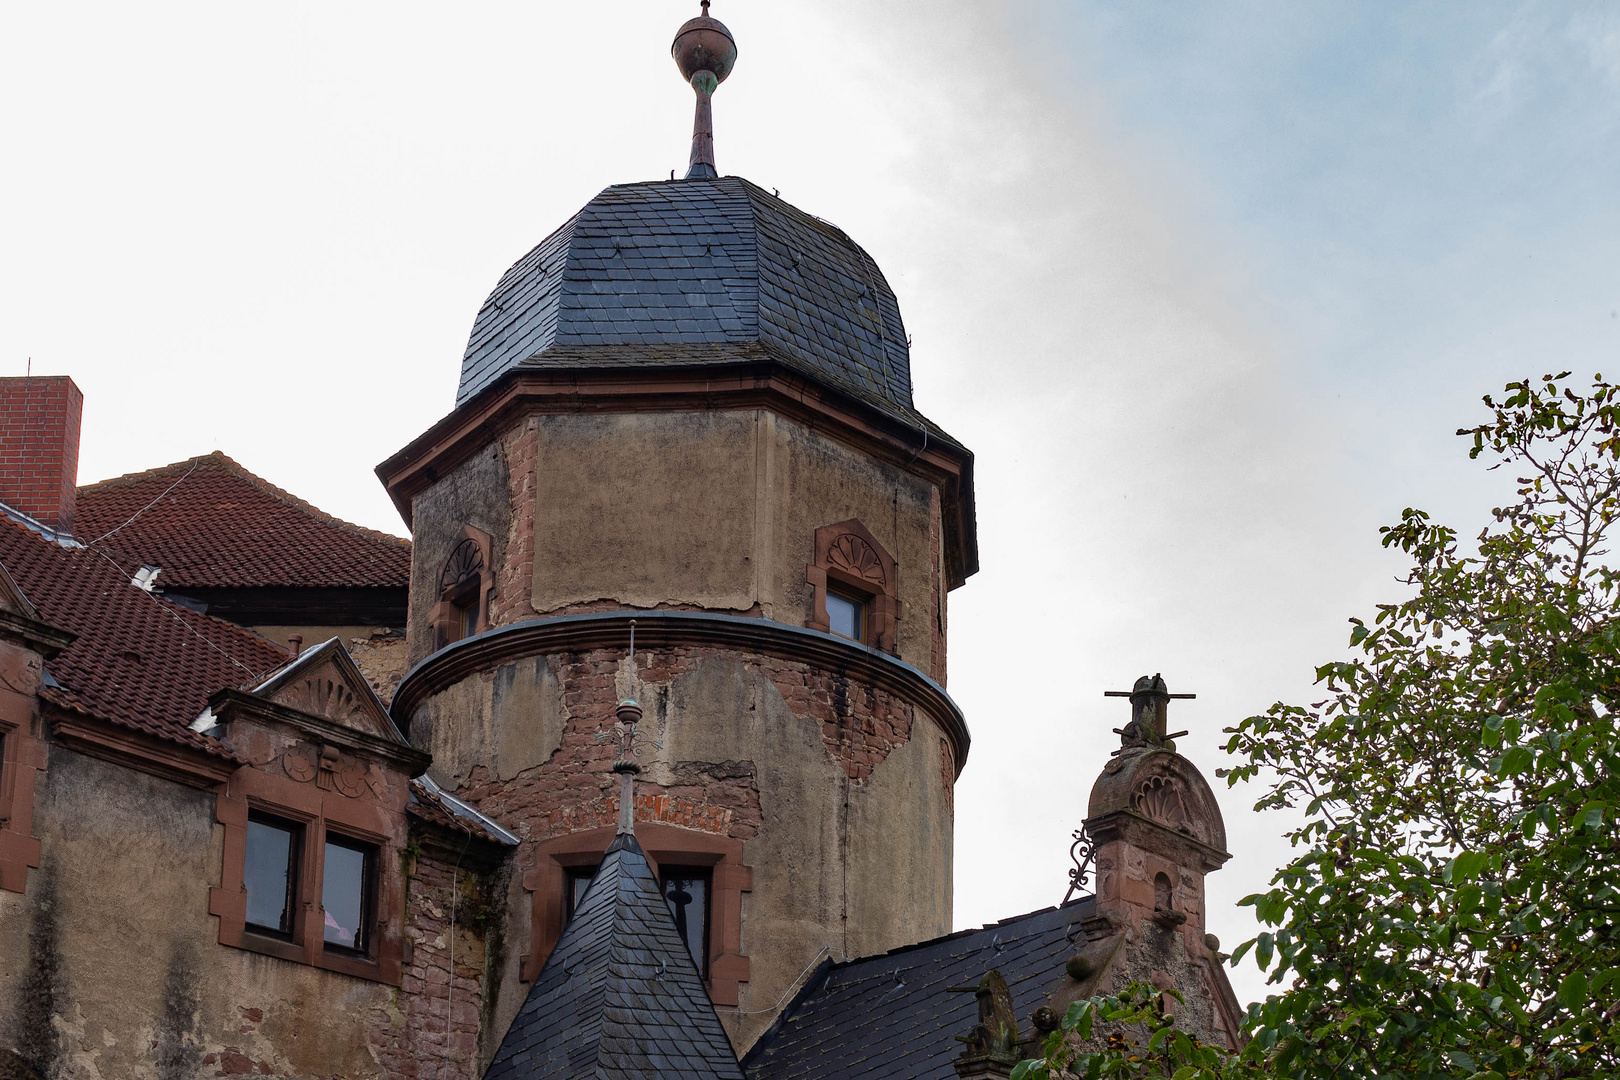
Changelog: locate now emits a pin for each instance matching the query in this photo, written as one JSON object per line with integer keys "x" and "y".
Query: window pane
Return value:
{"x": 844, "y": 616}
{"x": 688, "y": 896}
{"x": 578, "y": 882}
{"x": 343, "y": 885}
{"x": 267, "y": 876}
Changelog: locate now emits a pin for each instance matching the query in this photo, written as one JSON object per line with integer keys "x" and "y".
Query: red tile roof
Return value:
{"x": 139, "y": 660}
{"x": 209, "y": 523}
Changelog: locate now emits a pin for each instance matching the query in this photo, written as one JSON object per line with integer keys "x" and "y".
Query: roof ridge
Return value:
{"x": 960, "y": 933}
{"x": 236, "y": 468}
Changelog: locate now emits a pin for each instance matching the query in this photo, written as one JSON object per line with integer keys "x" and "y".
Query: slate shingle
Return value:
{"x": 893, "y": 1015}
{"x": 619, "y": 997}
{"x": 715, "y": 262}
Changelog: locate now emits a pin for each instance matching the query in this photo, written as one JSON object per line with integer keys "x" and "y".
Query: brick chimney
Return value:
{"x": 39, "y": 447}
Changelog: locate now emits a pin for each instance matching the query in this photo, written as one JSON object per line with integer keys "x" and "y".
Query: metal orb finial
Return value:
{"x": 705, "y": 52}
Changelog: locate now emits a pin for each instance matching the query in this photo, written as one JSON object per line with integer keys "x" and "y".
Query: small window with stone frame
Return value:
{"x": 270, "y": 874}
{"x": 348, "y": 894}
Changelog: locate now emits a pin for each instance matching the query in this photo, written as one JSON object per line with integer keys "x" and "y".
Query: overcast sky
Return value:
{"x": 1206, "y": 287}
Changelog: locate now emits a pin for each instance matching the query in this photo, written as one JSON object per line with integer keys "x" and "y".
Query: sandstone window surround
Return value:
{"x": 25, "y": 644}
{"x": 466, "y": 585}
{"x": 327, "y": 762}
{"x": 559, "y": 860}
{"x": 320, "y": 820}
{"x": 851, "y": 563}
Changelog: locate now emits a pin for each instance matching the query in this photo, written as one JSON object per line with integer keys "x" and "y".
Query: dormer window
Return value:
{"x": 465, "y": 584}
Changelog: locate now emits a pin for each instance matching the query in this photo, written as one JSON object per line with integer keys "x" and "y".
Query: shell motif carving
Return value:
{"x": 465, "y": 563}
{"x": 853, "y": 555}
{"x": 324, "y": 697}
{"x": 1160, "y": 799}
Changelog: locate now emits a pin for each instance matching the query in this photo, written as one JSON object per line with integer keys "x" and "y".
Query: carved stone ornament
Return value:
{"x": 855, "y": 556}
{"x": 465, "y": 563}
{"x": 1158, "y": 798}
{"x": 301, "y": 762}
{"x": 330, "y": 769}
{"x": 326, "y": 696}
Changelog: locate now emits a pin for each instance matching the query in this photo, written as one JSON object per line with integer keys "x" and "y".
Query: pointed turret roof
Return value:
{"x": 619, "y": 997}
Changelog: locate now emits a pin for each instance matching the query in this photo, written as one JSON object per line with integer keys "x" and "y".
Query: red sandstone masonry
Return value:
{"x": 432, "y": 1034}
{"x": 39, "y": 447}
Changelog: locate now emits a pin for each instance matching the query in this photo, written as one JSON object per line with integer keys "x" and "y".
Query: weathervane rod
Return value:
{"x": 704, "y": 51}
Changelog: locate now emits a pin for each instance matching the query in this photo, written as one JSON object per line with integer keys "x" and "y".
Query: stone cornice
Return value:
{"x": 1144, "y": 832}
{"x": 35, "y": 634}
{"x": 611, "y": 630}
{"x": 229, "y": 704}
{"x": 751, "y": 383}
{"x": 139, "y": 751}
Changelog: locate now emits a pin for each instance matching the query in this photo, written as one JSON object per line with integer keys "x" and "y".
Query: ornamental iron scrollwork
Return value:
{"x": 1084, "y": 854}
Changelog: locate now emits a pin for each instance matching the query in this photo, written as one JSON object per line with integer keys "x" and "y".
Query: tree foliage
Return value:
{"x": 1452, "y": 906}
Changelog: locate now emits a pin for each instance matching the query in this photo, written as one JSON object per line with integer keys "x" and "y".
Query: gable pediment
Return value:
{"x": 12, "y": 599}
{"x": 326, "y": 682}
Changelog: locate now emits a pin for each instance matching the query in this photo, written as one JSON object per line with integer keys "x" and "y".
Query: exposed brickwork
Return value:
{"x": 39, "y": 447}
{"x": 514, "y": 581}
{"x": 430, "y": 1028}
{"x": 577, "y": 789}
{"x": 859, "y": 725}
{"x": 947, "y": 776}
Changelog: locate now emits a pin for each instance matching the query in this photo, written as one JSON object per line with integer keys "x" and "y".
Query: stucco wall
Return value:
{"x": 836, "y": 791}
{"x": 113, "y": 968}
{"x": 706, "y": 510}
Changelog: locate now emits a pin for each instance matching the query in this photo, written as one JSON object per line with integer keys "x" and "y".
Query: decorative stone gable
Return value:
{"x": 326, "y": 682}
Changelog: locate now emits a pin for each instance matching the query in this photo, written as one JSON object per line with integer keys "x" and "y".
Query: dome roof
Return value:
{"x": 696, "y": 271}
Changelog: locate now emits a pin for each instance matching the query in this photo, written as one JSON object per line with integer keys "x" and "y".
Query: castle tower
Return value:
{"x": 687, "y": 414}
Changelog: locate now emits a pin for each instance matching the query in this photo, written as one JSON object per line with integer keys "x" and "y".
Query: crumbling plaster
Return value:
{"x": 128, "y": 858}
{"x": 833, "y": 836}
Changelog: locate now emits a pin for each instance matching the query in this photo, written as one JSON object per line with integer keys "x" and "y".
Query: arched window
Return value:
{"x": 465, "y": 583}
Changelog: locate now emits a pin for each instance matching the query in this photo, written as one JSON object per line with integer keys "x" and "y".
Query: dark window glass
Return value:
{"x": 346, "y": 893}
{"x": 467, "y": 618}
{"x": 270, "y": 874}
{"x": 686, "y": 890}
{"x": 846, "y": 616}
{"x": 579, "y": 879}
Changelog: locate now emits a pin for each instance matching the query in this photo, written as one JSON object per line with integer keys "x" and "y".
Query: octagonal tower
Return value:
{"x": 690, "y": 408}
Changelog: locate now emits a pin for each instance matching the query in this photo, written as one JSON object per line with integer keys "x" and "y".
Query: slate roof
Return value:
{"x": 139, "y": 661}
{"x": 686, "y": 266}
{"x": 432, "y": 803}
{"x": 892, "y": 1015}
{"x": 619, "y": 997}
{"x": 210, "y": 523}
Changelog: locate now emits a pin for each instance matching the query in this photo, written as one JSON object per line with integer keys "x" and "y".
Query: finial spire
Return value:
{"x": 629, "y": 714}
{"x": 704, "y": 51}
{"x": 1150, "y": 714}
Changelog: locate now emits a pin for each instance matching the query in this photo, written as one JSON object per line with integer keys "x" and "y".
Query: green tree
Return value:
{"x": 1452, "y": 907}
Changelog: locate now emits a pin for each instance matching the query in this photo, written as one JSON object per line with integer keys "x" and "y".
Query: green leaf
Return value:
{"x": 1262, "y": 951}
{"x": 1515, "y": 761}
{"x": 1573, "y": 991}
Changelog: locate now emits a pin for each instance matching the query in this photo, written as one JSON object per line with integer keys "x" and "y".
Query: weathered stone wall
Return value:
{"x": 111, "y": 967}
{"x": 431, "y": 1029}
{"x": 475, "y": 493}
{"x": 837, "y": 790}
{"x": 379, "y": 651}
{"x": 688, "y": 510}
